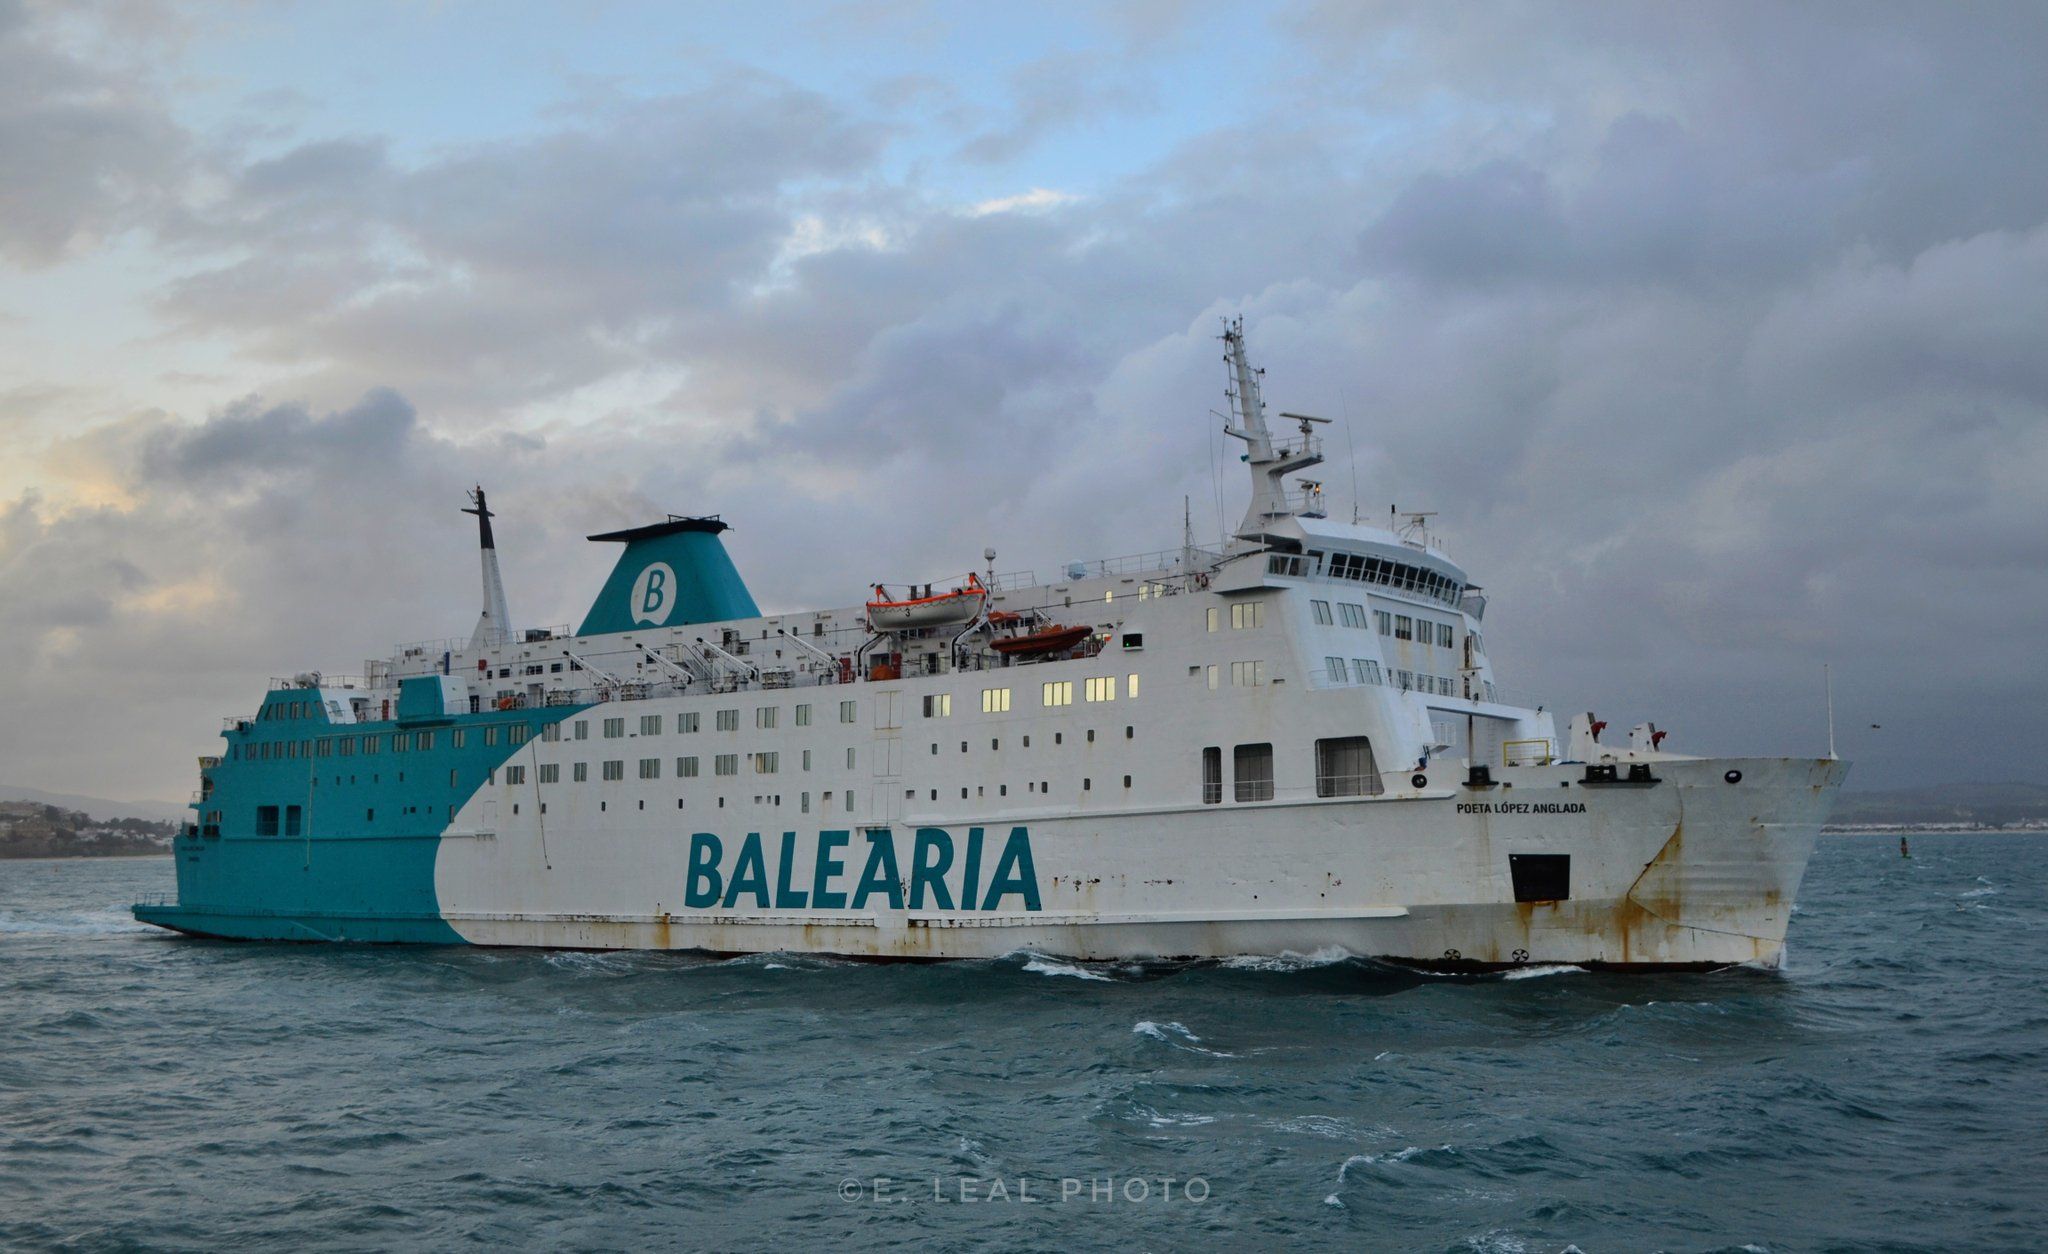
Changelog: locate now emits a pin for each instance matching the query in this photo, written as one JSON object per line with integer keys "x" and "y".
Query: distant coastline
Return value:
{"x": 31, "y": 829}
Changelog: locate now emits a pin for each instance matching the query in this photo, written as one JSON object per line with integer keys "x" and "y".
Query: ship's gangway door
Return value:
{"x": 885, "y": 752}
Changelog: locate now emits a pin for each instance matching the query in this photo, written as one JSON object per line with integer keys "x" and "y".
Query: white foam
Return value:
{"x": 1530, "y": 973}
{"x": 1178, "y": 1036}
{"x": 1287, "y": 960}
{"x": 111, "y": 921}
{"x": 1041, "y": 965}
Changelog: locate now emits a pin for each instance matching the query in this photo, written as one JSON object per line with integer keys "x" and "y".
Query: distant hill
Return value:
{"x": 29, "y": 829}
{"x": 100, "y": 807}
{"x": 2020, "y": 806}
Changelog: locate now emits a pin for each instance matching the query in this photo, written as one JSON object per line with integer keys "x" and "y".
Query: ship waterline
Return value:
{"x": 1292, "y": 743}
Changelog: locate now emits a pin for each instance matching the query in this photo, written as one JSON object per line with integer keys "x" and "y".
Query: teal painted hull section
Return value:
{"x": 336, "y": 839}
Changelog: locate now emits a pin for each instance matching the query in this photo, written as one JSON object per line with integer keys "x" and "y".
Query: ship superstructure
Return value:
{"x": 1292, "y": 742}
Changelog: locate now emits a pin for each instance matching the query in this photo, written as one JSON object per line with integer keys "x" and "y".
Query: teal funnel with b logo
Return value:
{"x": 672, "y": 573}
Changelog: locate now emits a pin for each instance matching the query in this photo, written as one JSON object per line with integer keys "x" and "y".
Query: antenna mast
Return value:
{"x": 494, "y": 626}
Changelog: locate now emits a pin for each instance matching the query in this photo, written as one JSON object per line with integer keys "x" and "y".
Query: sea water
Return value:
{"x": 1887, "y": 1089}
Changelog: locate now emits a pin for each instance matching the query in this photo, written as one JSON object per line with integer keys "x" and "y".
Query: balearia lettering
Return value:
{"x": 938, "y": 873}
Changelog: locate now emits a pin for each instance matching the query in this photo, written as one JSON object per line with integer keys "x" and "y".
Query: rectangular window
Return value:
{"x": 294, "y": 818}
{"x": 401, "y": 742}
{"x": 1215, "y": 674}
{"x": 767, "y": 763}
{"x": 1102, "y": 689}
{"x": 1252, "y": 772}
{"x": 803, "y": 716}
{"x": 650, "y": 724}
{"x": 686, "y": 768}
{"x": 1321, "y": 609}
{"x": 1405, "y": 679}
{"x": 1247, "y": 614}
{"x": 1445, "y": 638}
{"x": 849, "y": 759}
{"x": 995, "y": 700}
{"x": 1059, "y": 692}
{"x": 490, "y": 735}
{"x": 372, "y": 744}
{"x": 266, "y": 820}
{"x": 550, "y": 773}
{"x": 551, "y": 733}
{"x": 582, "y": 729}
{"x": 807, "y": 759}
{"x": 1212, "y": 618}
{"x": 614, "y": 728}
{"x": 846, "y": 711}
{"x": 1354, "y": 615}
{"x": 1334, "y": 667}
{"x": 726, "y": 764}
{"x": 728, "y": 720}
{"x": 650, "y": 768}
{"x": 1365, "y": 671}
{"x": 515, "y": 775}
{"x": 516, "y": 734}
{"x": 764, "y": 717}
{"x": 458, "y": 738}
{"x": 688, "y": 722}
{"x": 1247, "y": 674}
{"x": 1385, "y": 621}
{"x": 1404, "y": 627}
{"x": 615, "y": 769}
{"x": 1212, "y": 776}
{"x": 1345, "y": 768}
{"x": 1132, "y": 692}
{"x": 579, "y": 772}
{"x": 939, "y": 705}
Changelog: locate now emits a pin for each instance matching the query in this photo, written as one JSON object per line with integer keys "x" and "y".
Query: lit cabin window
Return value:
{"x": 995, "y": 700}
{"x": 1247, "y": 614}
{"x": 1060, "y": 692}
{"x": 938, "y": 705}
{"x": 1102, "y": 689}
{"x": 1212, "y": 617}
{"x": 1133, "y": 692}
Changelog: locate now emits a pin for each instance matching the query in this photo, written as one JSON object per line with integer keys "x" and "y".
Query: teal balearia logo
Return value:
{"x": 654, "y": 594}
{"x": 939, "y": 873}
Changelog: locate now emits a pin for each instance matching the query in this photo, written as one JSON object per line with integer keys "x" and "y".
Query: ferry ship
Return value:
{"x": 1293, "y": 742}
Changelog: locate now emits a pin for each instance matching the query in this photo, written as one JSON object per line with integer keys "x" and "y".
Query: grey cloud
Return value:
{"x": 83, "y": 152}
{"x": 1057, "y": 91}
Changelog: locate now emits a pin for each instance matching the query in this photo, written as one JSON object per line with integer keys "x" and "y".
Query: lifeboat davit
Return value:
{"x": 1049, "y": 640}
{"x": 947, "y": 609}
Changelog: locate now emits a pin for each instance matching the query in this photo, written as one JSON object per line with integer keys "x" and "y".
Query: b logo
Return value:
{"x": 654, "y": 594}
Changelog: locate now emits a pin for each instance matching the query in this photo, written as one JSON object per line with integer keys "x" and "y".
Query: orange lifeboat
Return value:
{"x": 1050, "y": 640}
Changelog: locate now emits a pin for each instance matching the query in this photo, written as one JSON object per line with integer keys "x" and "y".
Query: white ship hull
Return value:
{"x": 1684, "y": 873}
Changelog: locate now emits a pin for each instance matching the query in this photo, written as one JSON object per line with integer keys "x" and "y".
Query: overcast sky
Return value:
{"x": 1717, "y": 333}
